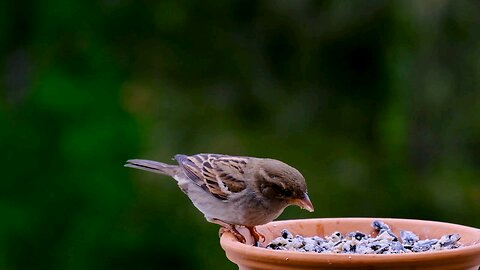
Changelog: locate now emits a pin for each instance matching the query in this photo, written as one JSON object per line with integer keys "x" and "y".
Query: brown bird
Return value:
{"x": 235, "y": 190}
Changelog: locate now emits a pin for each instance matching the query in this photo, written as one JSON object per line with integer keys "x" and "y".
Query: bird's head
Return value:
{"x": 279, "y": 181}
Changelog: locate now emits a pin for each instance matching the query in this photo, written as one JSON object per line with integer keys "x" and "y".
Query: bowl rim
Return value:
{"x": 230, "y": 244}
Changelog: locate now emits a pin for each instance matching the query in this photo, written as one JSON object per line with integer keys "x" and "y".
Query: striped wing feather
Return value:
{"x": 220, "y": 175}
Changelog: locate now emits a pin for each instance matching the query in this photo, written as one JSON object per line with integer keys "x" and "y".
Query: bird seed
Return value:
{"x": 386, "y": 242}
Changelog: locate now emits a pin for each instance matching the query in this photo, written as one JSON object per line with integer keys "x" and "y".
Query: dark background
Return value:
{"x": 377, "y": 103}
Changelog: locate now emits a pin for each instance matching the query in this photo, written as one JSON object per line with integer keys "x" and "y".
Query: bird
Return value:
{"x": 234, "y": 191}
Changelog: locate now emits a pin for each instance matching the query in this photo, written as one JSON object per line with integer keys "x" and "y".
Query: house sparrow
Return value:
{"x": 235, "y": 190}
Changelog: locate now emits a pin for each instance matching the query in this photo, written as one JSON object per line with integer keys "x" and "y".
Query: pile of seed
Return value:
{"x": 386, "y": 242}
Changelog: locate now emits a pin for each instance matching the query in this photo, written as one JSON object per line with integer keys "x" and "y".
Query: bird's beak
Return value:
{"x": 304, "y": 203}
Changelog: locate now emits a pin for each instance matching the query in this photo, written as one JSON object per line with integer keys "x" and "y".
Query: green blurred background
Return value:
{"x": 377, "y": 103}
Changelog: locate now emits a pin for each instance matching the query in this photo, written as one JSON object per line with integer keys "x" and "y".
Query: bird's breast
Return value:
{"x": 242, "y": 208}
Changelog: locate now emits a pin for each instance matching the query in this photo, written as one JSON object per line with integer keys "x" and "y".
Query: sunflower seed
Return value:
{"x": 386, "y": 242}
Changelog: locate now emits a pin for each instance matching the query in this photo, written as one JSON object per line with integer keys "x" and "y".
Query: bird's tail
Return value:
{"x": 152, "y": 166}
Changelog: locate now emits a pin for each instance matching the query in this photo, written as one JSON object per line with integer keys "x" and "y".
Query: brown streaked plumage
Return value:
{"x": 235, "y": 190}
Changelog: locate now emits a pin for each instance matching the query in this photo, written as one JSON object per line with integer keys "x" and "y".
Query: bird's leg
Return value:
{"x": 234, "y": 231}
{"x": 228, "y": 227}
{"x": 255, "y": 234}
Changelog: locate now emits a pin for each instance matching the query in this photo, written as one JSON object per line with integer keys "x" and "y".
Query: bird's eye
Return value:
{"x": 287, "y": 193}
{"x": 282, "y": 192}
{"x": 275, "y": 188}
{"x": 278, "y": 189}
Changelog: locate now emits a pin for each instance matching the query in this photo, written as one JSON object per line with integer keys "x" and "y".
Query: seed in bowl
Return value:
{"x": 386, "y": 242}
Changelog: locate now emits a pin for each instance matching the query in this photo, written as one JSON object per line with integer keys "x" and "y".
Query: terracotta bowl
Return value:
{"x": 250, "y": 257}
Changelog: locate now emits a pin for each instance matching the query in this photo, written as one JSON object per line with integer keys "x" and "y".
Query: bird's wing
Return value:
{"x": 221, "y": 175}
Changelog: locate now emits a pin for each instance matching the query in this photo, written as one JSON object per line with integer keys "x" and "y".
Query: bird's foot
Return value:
{"x": 234, "y": 231}
{"x": 256, "y": 235}
{"x": 225, "y": 227}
